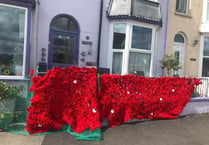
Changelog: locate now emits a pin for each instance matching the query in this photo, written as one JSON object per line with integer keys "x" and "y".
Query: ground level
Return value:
{"x": 189, "y": 130}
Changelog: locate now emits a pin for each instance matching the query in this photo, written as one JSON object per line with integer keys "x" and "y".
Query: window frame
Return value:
{"x": 24, "y": 69}
{"x": 128, "y": 49}
{"x": 187, "y": 8}
{"x": 205, "y": 10}
{"x": 202, "y": 56}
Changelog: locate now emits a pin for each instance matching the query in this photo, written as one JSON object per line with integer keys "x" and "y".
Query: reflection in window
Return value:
{"x": 12, "y": 40}
{"x": 181, "y": 6}
{"x": 141, "y": 38}
{"x": 119, "y": 36}
{"x": 206, "y": 47}
{"x": 63, "y": 24}
{"x": 205, "y": 67}
{"x": 117, "y": 63}
{"x": 63, "y": 49}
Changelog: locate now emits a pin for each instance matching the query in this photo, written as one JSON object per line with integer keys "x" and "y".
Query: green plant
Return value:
{"x": 9, "y": 92}
{"x": 170, "y": 64}
{"x": 5, "y": 115}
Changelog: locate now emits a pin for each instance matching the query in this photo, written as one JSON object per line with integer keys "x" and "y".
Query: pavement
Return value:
{"x": 188, "y": 130}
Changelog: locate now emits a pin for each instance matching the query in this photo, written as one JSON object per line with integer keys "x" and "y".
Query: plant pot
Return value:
{"x": 7, "y": 105}
{"x": 5, "y": 122}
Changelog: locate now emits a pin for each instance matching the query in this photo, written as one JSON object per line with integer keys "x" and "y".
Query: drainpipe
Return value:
{"x": 99, "y": 43}
{"x": 100, "y": 31}
{"x": 35, "y": 46}
{"x": 166, "y": 29}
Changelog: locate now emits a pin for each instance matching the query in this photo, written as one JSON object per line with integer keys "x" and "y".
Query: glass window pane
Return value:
{"x": 119, "y": 35}
{"x": 117, "y": 63}
{"x": 181, "y": 6}
{"x": 141, "y": 38}
{"x": 12, "y": 35}
{"x": 179, "y": 38}
{"x": 205, "y": 67}
{"x": 206, "y": 47}
{"x": 139, "y": 62}
{"x": 207, "y": 18}
{"x": 63, "y": 49}
{"x": 64, "y": 24}
{"x": 177, "y": 55}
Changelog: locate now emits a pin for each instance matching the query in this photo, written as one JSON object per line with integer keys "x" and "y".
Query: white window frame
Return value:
{"x": 202, "y": 56}
{"x": 187, "y": 8}
{"x": 205, "y": 9}
{"x": 128, "y": 48}
{"x": 8, "y": 77}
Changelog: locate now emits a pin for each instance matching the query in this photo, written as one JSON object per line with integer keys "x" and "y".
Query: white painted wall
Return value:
{"x": 85, "y": 12}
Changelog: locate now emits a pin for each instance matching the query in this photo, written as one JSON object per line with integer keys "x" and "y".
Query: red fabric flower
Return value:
{"x": 69, "y": 96}
{"x": 32, "y": 72}
{"x": 64, "y": 96}
{"x": 143, "y": 98}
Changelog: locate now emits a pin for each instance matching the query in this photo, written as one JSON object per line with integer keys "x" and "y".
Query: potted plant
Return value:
{"x": 170, "y": 64}
{"x": 8, "y": 95}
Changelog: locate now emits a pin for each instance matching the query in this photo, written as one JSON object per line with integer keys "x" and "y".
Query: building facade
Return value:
{"x": 184, "y": 38}
{"x": 120, "y": 35}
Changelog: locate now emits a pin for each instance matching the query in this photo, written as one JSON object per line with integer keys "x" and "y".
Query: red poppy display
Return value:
{"x": 64, "y": 96}
{"x": 124, "y": 98}
{"x": 68, "y": 96}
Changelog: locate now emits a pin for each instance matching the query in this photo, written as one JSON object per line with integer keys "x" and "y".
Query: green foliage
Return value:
{"x": 9, "y": 92}
{"x": 170, "y": 63}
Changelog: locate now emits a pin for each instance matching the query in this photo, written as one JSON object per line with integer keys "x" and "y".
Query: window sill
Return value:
{"x": 20, "y": 78}
{"x": 183, "y": 15}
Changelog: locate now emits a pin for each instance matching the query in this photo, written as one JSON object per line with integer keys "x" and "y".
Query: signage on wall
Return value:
{"x": 86, "y": 42}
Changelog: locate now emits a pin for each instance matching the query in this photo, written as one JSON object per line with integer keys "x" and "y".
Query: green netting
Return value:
{"x": 13, "y": 115}
{"x": 87, "y": 134}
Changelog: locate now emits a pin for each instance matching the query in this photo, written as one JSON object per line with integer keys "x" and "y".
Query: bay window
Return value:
{"x": 13, "y": 26}
{"x": 132, "y": 47}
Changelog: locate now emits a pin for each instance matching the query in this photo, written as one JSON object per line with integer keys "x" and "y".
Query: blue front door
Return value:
{"x": 63, "y": 46}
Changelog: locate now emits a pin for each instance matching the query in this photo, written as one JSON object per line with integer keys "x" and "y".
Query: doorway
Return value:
{"x": 179, "y": 53}
{"x": 63, "y": 42}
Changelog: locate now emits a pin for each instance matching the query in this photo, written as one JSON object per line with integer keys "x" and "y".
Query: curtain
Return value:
{"x": 117, "y": 63}
{"x": 139, "y": 62}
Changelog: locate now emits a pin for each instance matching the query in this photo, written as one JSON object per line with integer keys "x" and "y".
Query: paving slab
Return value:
{"x": 189, "y": 130}
{"x": 12, "y": 139}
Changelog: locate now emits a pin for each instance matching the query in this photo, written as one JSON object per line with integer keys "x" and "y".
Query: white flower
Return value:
{"x": 151, "y": 114}
{"x": 128, "y": 92}
{"x": 94, "y": 110}
{"x": 161, "y": 99}
{"x": 173, "y": 90}
{"x": 39, "y": 125}
{"x": 75, "y": 82}
{"x": 112, "y": 111}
